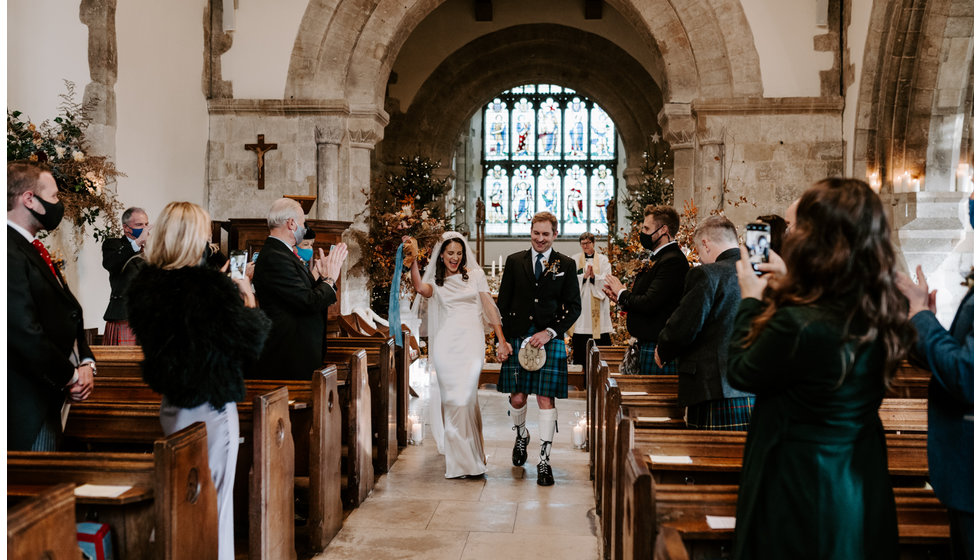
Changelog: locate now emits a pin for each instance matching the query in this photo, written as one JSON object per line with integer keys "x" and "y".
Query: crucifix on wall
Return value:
{"x": 260, "y": 149}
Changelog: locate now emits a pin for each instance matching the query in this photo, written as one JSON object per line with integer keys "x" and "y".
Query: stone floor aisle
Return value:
{"x": 415, "y": 512}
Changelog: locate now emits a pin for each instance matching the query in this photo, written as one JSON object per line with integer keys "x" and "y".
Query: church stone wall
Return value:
{"x": 769, "y": 159}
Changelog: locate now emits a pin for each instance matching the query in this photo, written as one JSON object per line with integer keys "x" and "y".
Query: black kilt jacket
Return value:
{"x": 551, "y": 302}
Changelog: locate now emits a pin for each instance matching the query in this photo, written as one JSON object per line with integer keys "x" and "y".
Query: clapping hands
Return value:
{"x": 612, "y": 287}
{"x": 328, "y": 266}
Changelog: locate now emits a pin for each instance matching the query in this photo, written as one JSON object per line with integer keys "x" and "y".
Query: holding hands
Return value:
{"x": 504, "y": 350}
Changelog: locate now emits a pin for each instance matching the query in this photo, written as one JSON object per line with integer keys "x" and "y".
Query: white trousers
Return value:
{"x": 222, "y": 458}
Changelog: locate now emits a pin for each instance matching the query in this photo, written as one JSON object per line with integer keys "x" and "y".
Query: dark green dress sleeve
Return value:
{"x": 764, "y": 365}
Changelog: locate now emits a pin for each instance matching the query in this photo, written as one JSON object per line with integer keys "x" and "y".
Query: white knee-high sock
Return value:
{"x": 519, "y": 416}
{"x": 548, "y": 423}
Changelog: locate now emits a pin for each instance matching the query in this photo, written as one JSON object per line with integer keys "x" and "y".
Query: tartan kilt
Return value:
{"x": 118, "y": 333}
{"x": 648, "y": 364}
{"x": 723, "y": 414}
{"x": 549, "y": 381}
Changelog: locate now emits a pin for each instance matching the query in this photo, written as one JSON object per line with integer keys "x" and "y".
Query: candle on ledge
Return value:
{"x": 963, "y": 177}
{"x": 493, "y": 269}
{"x": 875, "y": 183}
{"x": 906, "y": 182}
{"x": 578, "y": 435}
{"x": 915, "y": 185}
{"x": 500, "y": 263}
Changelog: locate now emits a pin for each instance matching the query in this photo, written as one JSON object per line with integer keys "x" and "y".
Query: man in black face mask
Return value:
{"x": 48, "y": 359}
{"x": 658, "y": 287}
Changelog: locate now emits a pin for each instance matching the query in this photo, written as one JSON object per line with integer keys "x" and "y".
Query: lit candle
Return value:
{"x": 500, "y": 264}
{"x": 493, "y": 269}
{"x": 906, "y": 182}
{"x": 915, "y": 185}
{"x": 417, "y": 432}
{"x": 578, "y": 435}
{"x": 875, "y": 183}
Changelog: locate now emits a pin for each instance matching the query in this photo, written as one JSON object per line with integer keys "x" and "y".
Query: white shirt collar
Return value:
{"x": 27, "y": 235}
{"x": 664, "y": 246}
{"x": 133, "y": 243}
{"x": 534, "y": 255}
{"x": 286, "y": 243}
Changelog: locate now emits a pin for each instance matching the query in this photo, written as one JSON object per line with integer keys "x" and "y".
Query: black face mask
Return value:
{"x": 648, "y": 242}
{"x": 53, "y": 213}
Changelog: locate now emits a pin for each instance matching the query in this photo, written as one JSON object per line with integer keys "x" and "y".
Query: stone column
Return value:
{"x": 678, "y": 125}
{"x": 100, "y": 94}
{"x": 362, "y": 135}
{"x": 328, "y": 140}
{"x": 710, "y": 173}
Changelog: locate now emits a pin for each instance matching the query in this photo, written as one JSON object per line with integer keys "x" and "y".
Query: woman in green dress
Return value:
{"x": 817, "y": 339}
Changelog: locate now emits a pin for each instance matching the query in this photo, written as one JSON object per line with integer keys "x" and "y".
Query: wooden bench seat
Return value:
{"x": 43, "y": 525}
{"x": 265, "y": 431}
{"x": 172, "y": 498}
{"x": 384, "y": 380}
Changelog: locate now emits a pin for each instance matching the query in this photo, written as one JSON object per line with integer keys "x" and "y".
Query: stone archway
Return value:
{"x": 914, "y": 115}
{"x": 539, "y": 53}
{"x": 346, "y": 50}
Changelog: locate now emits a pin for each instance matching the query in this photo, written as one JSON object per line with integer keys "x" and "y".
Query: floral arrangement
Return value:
{"x": 411, "y": 203}
{"x": 81, "y": 177}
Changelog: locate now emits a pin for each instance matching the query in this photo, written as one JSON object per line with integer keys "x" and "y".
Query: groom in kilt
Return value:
{"x": 539, "y": 300}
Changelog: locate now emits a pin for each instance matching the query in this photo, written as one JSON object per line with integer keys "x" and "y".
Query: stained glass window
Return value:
{"x": 546, "y": 147}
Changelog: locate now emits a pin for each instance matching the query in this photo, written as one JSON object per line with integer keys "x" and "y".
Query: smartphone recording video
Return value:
{"x": 757, "y": 241}
{"x": 238, "y": 262}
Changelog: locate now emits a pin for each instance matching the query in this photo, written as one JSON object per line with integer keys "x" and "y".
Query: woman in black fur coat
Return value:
{"x": 199, "y": 332}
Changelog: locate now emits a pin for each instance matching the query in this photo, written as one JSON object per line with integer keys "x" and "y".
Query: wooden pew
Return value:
{"x": 133, "y": 424}
{"x": 271, "y": 534}
{"x": 118, "y": 361}
{"x": 357, "y": 468}
{"x": 384, "y": 393}
{"x": 403, "y": 363}
{"x": 923, "y": 525}
{"x": 172, "y": 497}
{"x": 43, "y": 525}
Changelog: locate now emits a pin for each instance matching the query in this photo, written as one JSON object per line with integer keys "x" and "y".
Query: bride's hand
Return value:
{"x": 504, "y": 350}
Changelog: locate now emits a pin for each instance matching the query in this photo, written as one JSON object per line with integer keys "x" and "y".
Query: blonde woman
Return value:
{"x": 199, "y": 332}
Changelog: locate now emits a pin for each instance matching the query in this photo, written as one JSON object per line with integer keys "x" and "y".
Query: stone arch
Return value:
{"x": 538, "y": 53}
{"x": 918, "y": 67}
{"x": 345, "y": 49}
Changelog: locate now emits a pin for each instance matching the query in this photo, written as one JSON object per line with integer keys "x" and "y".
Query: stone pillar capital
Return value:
{"x": 366, "y": 126}
{"x": 678, "y": 124}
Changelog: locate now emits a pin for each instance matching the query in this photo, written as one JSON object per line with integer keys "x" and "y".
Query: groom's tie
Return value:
{"x": 538, "y": 269}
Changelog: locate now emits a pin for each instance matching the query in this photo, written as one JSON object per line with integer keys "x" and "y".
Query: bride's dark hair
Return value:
{"x": 441, "y": 266}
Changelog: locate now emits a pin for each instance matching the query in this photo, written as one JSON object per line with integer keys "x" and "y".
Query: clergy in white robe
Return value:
{"x": 594, "y": 322}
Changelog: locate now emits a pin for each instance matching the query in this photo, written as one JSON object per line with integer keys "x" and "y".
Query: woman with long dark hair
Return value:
{"x": 818, "y": 340}
{"x": 460, "y": 309}
{"x": 199, "y": 333}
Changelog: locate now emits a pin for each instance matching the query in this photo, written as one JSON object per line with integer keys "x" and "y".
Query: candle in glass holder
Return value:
{"x": 578, "y": 435}
{"x": 417, "y": 432}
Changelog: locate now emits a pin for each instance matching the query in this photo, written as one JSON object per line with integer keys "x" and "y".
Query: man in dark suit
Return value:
{"x": 47, "y": 359}
{"x": 294, "y": 300}
{"x": 123, "y": 258}
{"x": 538, "y": 301}
{"x": 949, "y": 355}
{"x": 658, "y": 287}
{"x": 697, "y": 333}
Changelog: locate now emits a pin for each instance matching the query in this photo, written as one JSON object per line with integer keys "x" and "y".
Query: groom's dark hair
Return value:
{"x": 441, "y": 266}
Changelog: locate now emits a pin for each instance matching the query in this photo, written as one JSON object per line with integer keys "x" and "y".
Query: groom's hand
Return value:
{"x": 504, "y": 350}
{"x": 540, "y": 339}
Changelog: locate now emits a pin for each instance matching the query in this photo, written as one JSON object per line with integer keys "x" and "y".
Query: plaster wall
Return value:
{"x": 262, "y": 43}
{"x": 783, "y": 33}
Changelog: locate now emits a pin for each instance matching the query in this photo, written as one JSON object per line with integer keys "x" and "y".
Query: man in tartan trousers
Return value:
{"x": 658, "y": 286}
{"x": 539, "y": 300}
{"x": 698, "y": 332}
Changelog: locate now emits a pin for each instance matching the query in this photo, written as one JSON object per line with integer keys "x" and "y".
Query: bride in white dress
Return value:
{"x": 459, "y": 309}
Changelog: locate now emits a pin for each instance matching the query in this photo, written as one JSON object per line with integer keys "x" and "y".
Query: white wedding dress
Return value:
{"x": 458, "y": 312}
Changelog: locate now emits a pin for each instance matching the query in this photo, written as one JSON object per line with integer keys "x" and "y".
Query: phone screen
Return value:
{"x": 758, "y": 240}
{"x": 237, "y": 268}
